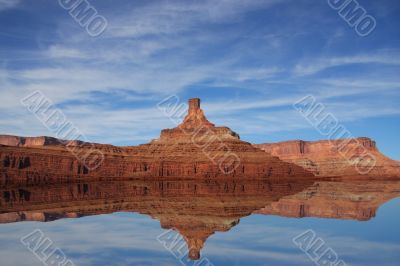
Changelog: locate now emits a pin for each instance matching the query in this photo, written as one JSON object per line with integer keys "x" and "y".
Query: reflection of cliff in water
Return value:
{"x": 347, "y": 199}
{"x": 197, "y": 208}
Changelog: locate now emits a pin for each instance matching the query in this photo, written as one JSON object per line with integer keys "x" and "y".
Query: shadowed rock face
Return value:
{"x": 198, "y": 208}
{"x": 335, "y": 157}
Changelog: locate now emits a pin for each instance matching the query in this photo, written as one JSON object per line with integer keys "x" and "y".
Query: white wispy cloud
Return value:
{"x": 155, "y": 49}
{"x": 318, "y": 65}
{"x": 133, "y": 239}
{"x": 58, "y": 51}
{"x": 7, "y": 4}
{"x": 173, "y": 17}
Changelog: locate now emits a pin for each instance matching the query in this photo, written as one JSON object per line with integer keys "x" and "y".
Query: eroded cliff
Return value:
{"x": 194, "y": 149}
{"x": 344, "y": 157}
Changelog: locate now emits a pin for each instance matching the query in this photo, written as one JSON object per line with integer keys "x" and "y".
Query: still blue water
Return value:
{"x": 131, "y": 239}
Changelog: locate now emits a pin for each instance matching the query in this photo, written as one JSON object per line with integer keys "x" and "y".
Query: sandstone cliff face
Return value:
{"x": 348, "y": 157}
{"x": 194, "y": 149}
{"x": 15, "y": 141}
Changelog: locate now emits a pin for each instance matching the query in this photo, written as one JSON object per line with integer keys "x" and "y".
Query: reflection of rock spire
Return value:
{"x": 195, "y": 242}
{"x": 197, "y": 234}
{"x": 195, "y": 230}
{"x": 195, "y": 117}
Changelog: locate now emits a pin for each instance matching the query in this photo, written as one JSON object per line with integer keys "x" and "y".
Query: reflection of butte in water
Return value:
{"x": 197, "y": 209}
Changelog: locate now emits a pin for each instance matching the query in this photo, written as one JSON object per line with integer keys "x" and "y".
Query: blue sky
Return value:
{"x": 248, "y": 61}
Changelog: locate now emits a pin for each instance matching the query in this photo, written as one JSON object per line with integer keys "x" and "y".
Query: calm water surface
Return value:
{"x": 230, "y": 222}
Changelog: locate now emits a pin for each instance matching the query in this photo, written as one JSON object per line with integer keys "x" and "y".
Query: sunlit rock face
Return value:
{"x": 15, "y": 141}
{"x": 196, "y": 128}
{"x": 349, "y": 157}
{"x": 195, "y": 116}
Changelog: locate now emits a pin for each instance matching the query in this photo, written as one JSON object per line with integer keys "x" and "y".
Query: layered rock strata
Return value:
{"x": 15, "y": 141}
{"x": 194, "y": 149}
{"x": 344, "y": 157}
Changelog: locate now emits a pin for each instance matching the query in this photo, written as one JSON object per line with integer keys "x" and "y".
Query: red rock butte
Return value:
{"x": 194, "y": 149}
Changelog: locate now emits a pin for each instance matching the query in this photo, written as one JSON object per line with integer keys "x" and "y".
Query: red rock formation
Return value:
{"x": 15, "y": 141}
{"x": 196, "y": 128}
{"x": 346, "y": 157}
{"x": 194, "y": 149}
{"x": 195, "y": 116}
